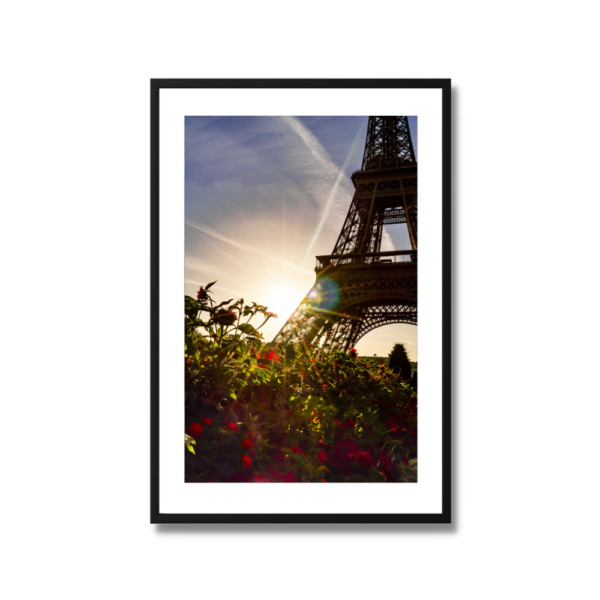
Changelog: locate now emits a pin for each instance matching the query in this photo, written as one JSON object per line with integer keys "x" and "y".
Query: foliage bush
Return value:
{"x": 398, "y": 362}
{"x": 255, "y": 412}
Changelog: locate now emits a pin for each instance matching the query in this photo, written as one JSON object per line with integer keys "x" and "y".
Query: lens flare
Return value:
{"x": 328, "y": 294}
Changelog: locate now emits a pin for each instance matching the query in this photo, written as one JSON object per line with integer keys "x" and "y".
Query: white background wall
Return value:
{"x": 74, "y": 241}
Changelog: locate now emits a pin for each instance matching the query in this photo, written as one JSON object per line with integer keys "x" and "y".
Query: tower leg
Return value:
{"x": 412, "y": 229}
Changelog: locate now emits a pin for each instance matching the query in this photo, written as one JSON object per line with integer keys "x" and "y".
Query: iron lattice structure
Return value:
{"x": 359, "y": 287}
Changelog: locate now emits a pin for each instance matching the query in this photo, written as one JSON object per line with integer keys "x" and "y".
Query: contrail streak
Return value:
{"x": 329, "y": 202}
{"x": 248, "y": 248}
{"x": 341, "y": 183}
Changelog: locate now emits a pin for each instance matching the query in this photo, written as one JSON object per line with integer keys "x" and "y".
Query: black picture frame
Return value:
{"x": 444, "y": 85}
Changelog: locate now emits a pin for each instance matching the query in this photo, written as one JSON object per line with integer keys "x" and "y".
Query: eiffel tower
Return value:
{"x": 359, "y": 287}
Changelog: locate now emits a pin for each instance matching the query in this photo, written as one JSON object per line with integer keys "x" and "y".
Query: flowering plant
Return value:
{"x": 292, "y": 413}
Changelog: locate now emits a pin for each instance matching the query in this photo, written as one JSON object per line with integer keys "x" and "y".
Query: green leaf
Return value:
{"x": 209, "y": 286}
{"x": 191, "y": 307}
{"x": 190, "y": 448}
{"x": 214, "y": 308}
{"x": 246, "y": 328}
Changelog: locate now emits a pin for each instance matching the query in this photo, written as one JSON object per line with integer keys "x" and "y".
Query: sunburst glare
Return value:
{"x": 283, "y": 300}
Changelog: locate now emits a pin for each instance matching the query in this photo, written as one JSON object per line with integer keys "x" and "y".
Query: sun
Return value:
{"x": 283, "y": 300}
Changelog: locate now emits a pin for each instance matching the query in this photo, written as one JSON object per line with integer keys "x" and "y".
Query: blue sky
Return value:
{"x": 263, "y": 197}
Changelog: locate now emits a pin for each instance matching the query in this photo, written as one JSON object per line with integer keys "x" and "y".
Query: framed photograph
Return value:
{"x": 300, "y": 301}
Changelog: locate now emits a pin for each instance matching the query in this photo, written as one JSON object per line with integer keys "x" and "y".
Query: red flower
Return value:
{"x": 270, "y": 355}
{"x": 393, "y": 427}
{"x": 323, "y": 456}
{"x": 248, "y": 443}
{"x": 343, "y": 455}
{"x": 202, "y": 295}
{"x": 364, "y": 458}
{"x": 338, "y": 423}
{"x": 196, "y": 429}
{"x": 405, "y": 461}
{"x": 207, "y": 421}
{"x": 297, "y": 450}
{"x": 384, "y": 462}
{"x": 385, "y": 466}
{"x": 351, "y": 423}
{"x": 233, "y": 427}
{"x": 247, "y": 460}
